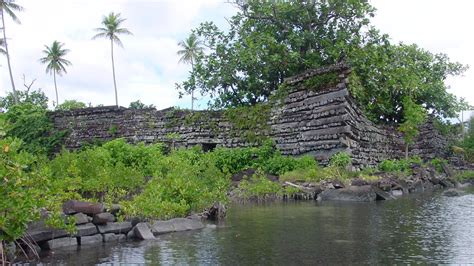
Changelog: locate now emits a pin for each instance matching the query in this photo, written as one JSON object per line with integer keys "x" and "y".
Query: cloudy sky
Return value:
{"x": 147, "y": 67}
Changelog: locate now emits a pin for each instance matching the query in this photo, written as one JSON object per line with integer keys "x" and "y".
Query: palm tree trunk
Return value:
{"x": 56, "y": 88}
{"x": 113, "y": 70}
{"x": 192, "y": 90}
{"x": 406, "y": 151}
{"x": 15, "y": 98}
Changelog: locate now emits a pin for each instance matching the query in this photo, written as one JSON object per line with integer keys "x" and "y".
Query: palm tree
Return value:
{"x": 56, "y": 64}
{"x": 110, "y": 30}
{"x": 191, "y": 48}
{"x": 2, "y": 47}
{"x": 8, "y": 7}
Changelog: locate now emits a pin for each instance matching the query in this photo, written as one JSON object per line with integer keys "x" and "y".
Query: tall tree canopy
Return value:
{"x": 55, "y": 62}
{"x": 269, "y": 41}
{"x": 111, "y": 29}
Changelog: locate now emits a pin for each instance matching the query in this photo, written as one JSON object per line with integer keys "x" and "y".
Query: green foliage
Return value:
{"x": 249, "y": 122}
{"x": 31, "y": 124}
{"x": 70, "y": 105}
{"x": 35, "y": 98}
{"x": 340, "y": 160}
{"x": 399, "y": 166}
{"x": 438, "y": 164}
{"x": 260, "y": 187}
{"x": 138, "y": 105}
{"x": 467, "y": 144}
{"x": 321, "y": 81}
{"x": 465, "y": 176}
{"x": 25, "y": 190}
{"x": 185, "y": 181}
{"x": 269, "y": 41}
{"x": 413, "y": 115}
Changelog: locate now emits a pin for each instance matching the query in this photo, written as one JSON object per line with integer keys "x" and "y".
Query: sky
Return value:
{"x": 147, "y": 67}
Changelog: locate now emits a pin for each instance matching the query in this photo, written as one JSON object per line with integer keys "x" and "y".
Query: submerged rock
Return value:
{"x": 65, "y": 242}
{"x": 175, "y": 225}
{"x": 453, "y": 193}
{"x": 354, "y": 193}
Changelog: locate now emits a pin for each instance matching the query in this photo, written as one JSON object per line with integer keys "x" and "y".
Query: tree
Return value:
{"x": 139, "y": 105}
{"x": 9, "y": 7}
{"x": 70, "y": 105}
{"x": 270, "y": 41}
{"x": 191, "y": 48}
{"x": 110, "y": 30}
{"x": 2, "y": 47}
{"x": 27, "y": 96}
{"x": 414, "y": 115}
{"x": 56, "y": 64}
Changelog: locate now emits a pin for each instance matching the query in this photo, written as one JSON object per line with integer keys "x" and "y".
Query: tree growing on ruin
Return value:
{"x": 191, "y": 48}
{"x": 111, "y": 29}
{"x": 9, "y": 7}
{"x": 414, "y": 116}
{"x": 55, "y": 62}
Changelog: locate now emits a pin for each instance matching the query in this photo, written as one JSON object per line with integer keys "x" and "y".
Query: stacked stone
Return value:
{"x": 95, "y": 225}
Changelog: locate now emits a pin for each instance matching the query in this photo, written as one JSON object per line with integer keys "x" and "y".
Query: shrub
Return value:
{"x": 259, "y": 187}
{"x": 438, "y": 164}
{"x": 340, "y": 160}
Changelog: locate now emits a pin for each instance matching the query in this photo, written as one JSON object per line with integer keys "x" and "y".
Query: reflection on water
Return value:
{"x": 426, "y": 228}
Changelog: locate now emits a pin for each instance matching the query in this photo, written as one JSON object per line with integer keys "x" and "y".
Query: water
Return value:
{"x": 427, "y": 228}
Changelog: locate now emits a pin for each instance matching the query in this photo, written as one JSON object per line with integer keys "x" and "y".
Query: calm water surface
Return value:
{"x": 428, "y": 228}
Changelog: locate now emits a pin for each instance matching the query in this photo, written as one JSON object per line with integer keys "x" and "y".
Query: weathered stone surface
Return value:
{"x": 86, "y": 230}
{"x": 175, "y": 225}
{"x": 119, "y": 228}
{"x": 142, "y": 231}
{"x": 397, "y": 192}
{"x": 358, "y": 182}
{"x": 81, "y": 218}
{"x": 90, "y": 240}
{"x": 314, "y": 122}
{"x": 40, "y": 232}
{"x": 103, "y": 218}
{"x": 59, "y": 243}
{"x": 361, "y": 193}
{"x": 111, "y": 237}
{"x": 89, "y": 208}
{"x": 216, "y": 212}
{"x": 452, "y": 192}
{"x": 382, "y": 195}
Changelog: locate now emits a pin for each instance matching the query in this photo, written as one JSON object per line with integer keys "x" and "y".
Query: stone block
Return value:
{"x": 89, "y": 208}
{"x": 90, "y": 240}
{"x": 142, "y": 231}
{"x": 59, "y": 243}
{"x": 86, "y": 230}
{"x": 81, "y": 218}
{"x": 103, "y": 218}
{"x": 118, "y": 227}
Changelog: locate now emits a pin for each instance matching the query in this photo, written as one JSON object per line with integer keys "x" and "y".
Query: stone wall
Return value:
{"x": 317, "y": 117}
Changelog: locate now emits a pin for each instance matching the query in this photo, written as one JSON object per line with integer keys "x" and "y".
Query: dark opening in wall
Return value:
{"x": 208, "y": 146}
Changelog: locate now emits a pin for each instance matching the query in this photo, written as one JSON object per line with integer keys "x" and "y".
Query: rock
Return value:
{"x": 111, "y": 237}
{"x": 447, "y": 170}
{"x": 119, "y": 227}
{"x": 131, "y": 235}
{"x": 452, "y": 193}
{"x": 142, "y": 231}
{"x": 337, "y": 184}
{"x": 382, "y": 195}
{"x": 40, "y": 232}
{"x": 65, "y": 242}
{"x": 175, "y": 225}
{"x": 417, "y": 187}
{"x": 445, "y": 182}
{"x": 362, "y": 193}
{"x": 357, "y": 182}
{"x": 89, "y": 208}
{"x": 242, "y": 174}
{"x": 397, "y": 192}
{"x": 89, "y": 240}
{"x": 81, "y": 218}
{"x": 216, "y": 212}
{"x": 103, "y": 218}
{"x": 86, "y": 230}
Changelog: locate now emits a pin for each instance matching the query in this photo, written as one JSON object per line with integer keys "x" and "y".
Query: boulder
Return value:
{"x": 142, "y": 231}
{"x": 86, "y": 230}
{"x": 175, "y": 225}
{"x": 362, "y": 193}
{"x": 445, "y": 182}
{"x": 216, "y": 212}
{"x": 453, "y": 193}
{"x": 89, "y": 240}
{"x": 81, "y": 218}
{"x": 40, "y": 232}
{"x": 337, "y": 184}
{"x": 89, "y": 208}
{"x": 103, "y": 218}
{"x": 119, "y": 228}
{"x": 64, "y": 242}
{"x": 357, "y": 182}
{"x": 397, "y": 192}
{"x": 111, "y": 237}
{"x": 382, "y": 195}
